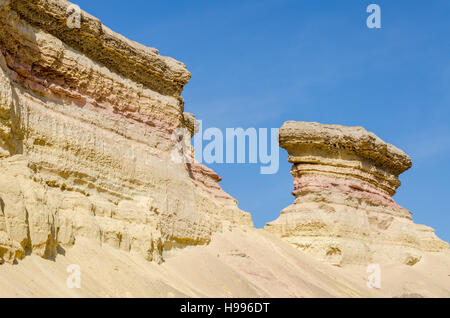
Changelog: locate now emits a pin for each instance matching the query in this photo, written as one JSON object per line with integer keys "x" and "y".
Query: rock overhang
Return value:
{"x": 296, "y": 135}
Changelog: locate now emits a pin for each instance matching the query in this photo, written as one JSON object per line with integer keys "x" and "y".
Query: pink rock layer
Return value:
{"x": 348, "y": 187}
{"x": 66, "y": 88}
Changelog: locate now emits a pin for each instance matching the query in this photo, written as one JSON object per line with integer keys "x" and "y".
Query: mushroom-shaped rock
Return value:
{"x": 344, "y": 180}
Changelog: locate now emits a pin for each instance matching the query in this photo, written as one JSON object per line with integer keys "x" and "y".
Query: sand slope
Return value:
{"x": 235, "y": 264}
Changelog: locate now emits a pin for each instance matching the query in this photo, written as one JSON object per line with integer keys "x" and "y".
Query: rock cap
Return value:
{"x": 355, "y": 140}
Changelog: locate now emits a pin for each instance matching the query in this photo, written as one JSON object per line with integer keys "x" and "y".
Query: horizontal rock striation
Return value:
{"x": 87, "y": 126}
{"x": 344, "y": 213}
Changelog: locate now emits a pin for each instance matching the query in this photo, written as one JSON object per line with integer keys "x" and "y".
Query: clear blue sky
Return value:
{"x": 259, "y": 63}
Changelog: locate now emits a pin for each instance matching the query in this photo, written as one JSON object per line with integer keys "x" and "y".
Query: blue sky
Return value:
{"x": 259, "y": 63}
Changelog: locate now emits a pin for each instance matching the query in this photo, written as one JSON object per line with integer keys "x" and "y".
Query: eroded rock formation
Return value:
{"x": 91, "y": 125}
{"x": 87, "y": 121}
{"x": 344, "y": 180}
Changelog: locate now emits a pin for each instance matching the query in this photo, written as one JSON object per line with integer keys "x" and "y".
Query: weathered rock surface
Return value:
{"x": 250, "y": 263}
{"x": 344, "y": 213}
{"x": 93, "y": 137}
{"x": 87, "y": 125}
{"x": 91, "y": 125}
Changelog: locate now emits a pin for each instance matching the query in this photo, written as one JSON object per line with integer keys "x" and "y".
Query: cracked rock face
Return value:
{"x": 87, "y": 119}
{"x": 89, "y": 124}
{"x": 344, "y": 213}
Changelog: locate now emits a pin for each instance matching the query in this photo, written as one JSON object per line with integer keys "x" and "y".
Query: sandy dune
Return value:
{"x": 235, "y": 264}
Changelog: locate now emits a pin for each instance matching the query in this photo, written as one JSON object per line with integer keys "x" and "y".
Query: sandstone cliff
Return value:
{"x": 87, "y": 125}
{"x": 344, "y": 213}
{"x": 91, "y": 125}
{"x": 251, "y": 263}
